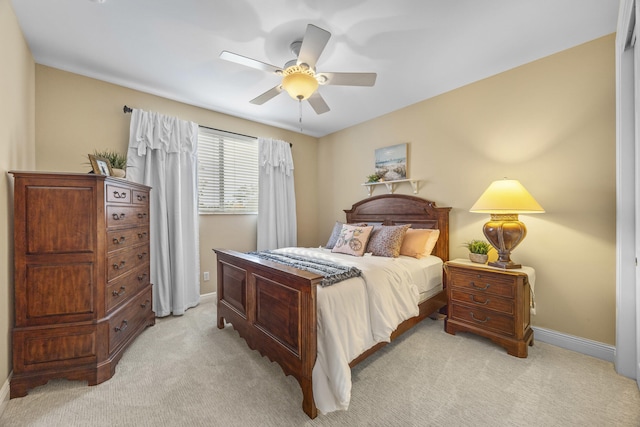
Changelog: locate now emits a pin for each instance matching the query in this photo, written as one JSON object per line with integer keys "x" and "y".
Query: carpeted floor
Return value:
{"x": 186, "y": 372}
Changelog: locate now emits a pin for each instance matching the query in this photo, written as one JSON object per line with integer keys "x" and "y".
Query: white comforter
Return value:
{"x": 356, "y": 314}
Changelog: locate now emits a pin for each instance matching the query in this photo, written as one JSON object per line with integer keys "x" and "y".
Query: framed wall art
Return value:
{"x": 100, "y": 165}
{"x": 391, "y": 162}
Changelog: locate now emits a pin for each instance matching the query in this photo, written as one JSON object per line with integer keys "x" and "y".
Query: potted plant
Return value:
{"x": 478, "y": 250}
{"x": 373, "y": 178}
{"x": 118, "y": 161}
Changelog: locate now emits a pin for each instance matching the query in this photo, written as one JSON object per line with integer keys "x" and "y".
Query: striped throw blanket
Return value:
{"x": 331, "y": 272}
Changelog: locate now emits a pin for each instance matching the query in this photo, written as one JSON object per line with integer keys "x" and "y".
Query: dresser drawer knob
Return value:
{"x": 486, "y": 286}
{"x": 117, "y": 241}
{"x": 122, "y": 326}
{"x": 119, "y": 266}
{"x": 142, "y": 255}
{"x": 485, "y": 302}
{"x": 142, "y": 215}
{"x": 117, "y": 217}
{"x": 141, "y": 235}
{"x": 141, "y": 198}
{"x": 141, "y": 277}
{"x": 122, "y": 195}
{"x": 144, "y": 305}
{"x": 117, "y": 294}
{"x": 479, "y": 320}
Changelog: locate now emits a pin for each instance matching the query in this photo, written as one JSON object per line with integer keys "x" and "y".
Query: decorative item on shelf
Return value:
{"x": 117, "y": 161}
{"x": 391, "y": 162}
{"x": 504, "y": 200}
{"x": 373, "y": 178}
{"x": 478, "y": 250}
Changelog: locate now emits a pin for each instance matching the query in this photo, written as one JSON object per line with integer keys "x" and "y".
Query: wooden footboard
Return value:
{"x": 273, "y": 307}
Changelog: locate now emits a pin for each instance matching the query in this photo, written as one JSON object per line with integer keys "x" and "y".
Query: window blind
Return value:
{"x": 227, "y": 173}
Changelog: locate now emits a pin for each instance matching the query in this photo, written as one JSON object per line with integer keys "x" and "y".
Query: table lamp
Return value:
{"x": 504, "y": 200}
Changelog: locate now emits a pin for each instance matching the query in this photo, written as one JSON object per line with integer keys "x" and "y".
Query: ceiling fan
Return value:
{"x": 299, "y": 77}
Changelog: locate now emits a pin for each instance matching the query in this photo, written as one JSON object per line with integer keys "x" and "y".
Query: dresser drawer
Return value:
{"x": 118, "y": 194}
{"x": 122, "y": 216}
{"x": 120, "y": 262}
{"x": 121, "y": 289}
{"x": 484, "y": 300}
{"x": 140, "y": 197}
{"x": 488, "y": 320}
{"x": 486, "y": 282}
{"x": 120, "y": 239}
{"x": 129, "y": 319}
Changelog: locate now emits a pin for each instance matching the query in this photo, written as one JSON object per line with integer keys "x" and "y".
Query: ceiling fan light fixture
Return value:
{"x": 299, "y": 83}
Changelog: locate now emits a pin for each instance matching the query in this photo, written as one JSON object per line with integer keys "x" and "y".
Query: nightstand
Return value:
{"x": 490, "y": 302}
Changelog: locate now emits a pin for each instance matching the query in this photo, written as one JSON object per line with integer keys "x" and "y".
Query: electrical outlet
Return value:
{"x": 206, "y": 276}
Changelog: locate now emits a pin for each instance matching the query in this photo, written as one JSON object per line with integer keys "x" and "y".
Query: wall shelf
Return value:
{"x": 392, "y": 185}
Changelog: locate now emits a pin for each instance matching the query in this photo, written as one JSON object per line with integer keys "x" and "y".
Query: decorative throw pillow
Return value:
{"x": 353, "y": 240}
{"x": 386, "y": 240}
{"x": 419, "y": 242}
{"x": 337, "y": 228}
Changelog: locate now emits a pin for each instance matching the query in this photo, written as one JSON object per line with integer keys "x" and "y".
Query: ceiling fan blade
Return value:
{"x": 313, "y": 43}
{"x": 349, "y": 79}
{"x": 253, "y": 63}
{"x": 271, "y": 93}
{"x": 318, "y": 104}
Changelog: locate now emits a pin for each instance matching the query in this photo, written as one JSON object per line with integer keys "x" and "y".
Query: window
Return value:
{"x": 227, "y": 173}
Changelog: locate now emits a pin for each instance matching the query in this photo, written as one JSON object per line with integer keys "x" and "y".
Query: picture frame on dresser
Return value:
{"x": 100, "y": 165}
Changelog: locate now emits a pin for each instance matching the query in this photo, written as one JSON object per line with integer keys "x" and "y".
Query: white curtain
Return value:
{"x": 277, "y": 226}
{"x": 163, "y": 155}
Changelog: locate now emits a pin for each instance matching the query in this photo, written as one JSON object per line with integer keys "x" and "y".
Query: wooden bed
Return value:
{"x": 273, "y": 306}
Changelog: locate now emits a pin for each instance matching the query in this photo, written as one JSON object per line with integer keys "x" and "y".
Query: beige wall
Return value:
{"x": 549, "y": 124}
{"x": 77, "y": 114}
{"x": 17, "y": 151}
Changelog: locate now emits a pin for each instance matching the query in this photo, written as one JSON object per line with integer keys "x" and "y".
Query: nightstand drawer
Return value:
{"x": 484, "y": 300}
{"x": 485, "y": 282}
{"x": 486, "y": 319}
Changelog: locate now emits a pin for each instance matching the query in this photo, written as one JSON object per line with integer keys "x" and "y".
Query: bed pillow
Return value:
{"x": 335, "y": 233}
{"x": 419, "y": 242}
{"x": 353, "y": 240}
{"x": 385, "y": 240}
{"x": 337, "y": 228}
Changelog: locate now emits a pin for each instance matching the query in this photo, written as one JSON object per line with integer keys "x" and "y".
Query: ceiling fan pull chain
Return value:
{"x": 300, "y": 109}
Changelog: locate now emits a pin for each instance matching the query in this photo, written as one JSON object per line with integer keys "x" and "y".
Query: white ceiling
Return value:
{"x": 419, "y": 48}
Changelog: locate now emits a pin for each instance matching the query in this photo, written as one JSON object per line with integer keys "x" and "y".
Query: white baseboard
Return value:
{"x": 570, "y": 342}
{"x": 4, "y": 394}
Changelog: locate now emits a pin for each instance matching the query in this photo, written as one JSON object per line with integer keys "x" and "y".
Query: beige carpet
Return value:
{"x": 186, "y": 372}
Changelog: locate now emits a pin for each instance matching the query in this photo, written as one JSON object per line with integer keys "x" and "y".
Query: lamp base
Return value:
{"x": 505, "y": 265}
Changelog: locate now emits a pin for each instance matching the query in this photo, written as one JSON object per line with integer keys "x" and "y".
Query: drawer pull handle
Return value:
{"x": 118, "y": 266}
{"x": 479, "y": 320}
{"x": 117, "y": 294}
{"x": 122, "y": 195}
{"x": 486, "y": 286}
{"x": 485, "y": 302}
{"x": 142, "y": 255}
{"x": 122, "y": 326}
{"x": 117, "y": 241}
{"x": 117, "y": 217}
{"x": 142, "y": 215}
{"x": 141, "y": 235}
{"x": 144, "y": 305}
{"x": 142, "y": 276}
{"x": 141, "y": 198}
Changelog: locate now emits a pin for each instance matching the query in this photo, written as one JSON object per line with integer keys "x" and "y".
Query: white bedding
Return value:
{"x": 356, "y": 314}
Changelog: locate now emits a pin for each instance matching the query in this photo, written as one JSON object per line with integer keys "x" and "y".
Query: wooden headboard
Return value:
{"x": 398, "y": 209}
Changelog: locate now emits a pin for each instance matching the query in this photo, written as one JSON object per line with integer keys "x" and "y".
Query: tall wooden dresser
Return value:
{"x": 82, "y": 288}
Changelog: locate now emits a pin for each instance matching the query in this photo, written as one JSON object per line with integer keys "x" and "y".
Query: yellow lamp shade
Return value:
{"x": 299, "y": 83}
{"x": 506, "y": 196}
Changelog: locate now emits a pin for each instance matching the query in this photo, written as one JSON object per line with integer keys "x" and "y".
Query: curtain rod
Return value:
{"x": 129, "y": 110}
